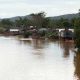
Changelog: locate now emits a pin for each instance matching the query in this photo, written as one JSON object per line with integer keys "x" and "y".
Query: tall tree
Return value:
{"x": 38, "y": 19}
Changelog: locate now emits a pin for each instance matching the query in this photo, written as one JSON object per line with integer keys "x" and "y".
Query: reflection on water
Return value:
{"x": 67, "y": 47}
{"x": 27, "y": 59}
{"x": 77, "y": 65}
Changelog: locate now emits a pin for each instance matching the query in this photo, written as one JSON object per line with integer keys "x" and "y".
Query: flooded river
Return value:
{"x": 38, "y": 60}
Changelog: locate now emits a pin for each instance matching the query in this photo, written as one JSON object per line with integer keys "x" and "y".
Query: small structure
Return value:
{"x": 66, "y": 33}
{"x": 14, "y": 31}
{"x": 64, "y": 29}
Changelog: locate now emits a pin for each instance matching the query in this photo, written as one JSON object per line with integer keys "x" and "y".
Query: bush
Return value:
{"x": 27, "y": 34}
{"x": 2, "y": 30}
{"x": 52, "y": 35}
{"x": 42, "y": 34}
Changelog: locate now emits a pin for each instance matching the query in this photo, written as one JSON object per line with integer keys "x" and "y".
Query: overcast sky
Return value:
{"x": 11, "y": 8}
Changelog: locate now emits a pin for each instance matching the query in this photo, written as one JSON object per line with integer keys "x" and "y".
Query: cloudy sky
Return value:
{"x": 11, "y": 8}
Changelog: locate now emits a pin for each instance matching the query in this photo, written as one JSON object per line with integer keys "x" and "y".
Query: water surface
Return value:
{"x": 38, "y": 60}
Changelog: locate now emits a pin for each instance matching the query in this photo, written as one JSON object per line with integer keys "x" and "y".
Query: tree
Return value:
{"x": 19, "y": 22}
{"x": 45, "y": 23}
{"x": 66, "y": 25}
{"x": 63, "y": 23}
{"x": 77, "y": 33}
{"x": 52, "y": 24}
{"x": 6, "y": 23}
{"x": 23, "y": 23}
{"x": 59, "y": 23}
{"x": 38, "y": 19}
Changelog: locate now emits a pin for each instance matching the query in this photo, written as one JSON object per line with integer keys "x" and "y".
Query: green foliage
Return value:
{"x": 42, "y": 33}
{"x": 45, "y": 23}
{"x": 77, "y": 33}
{"x": 52, "y": 24}
{"x": 27, "y": 34}
{"x": 52, "y": 34}
{"x": 2, "y": 29}
{"x": 23, "y": 23}
{"x": 38, "y": 19}
{"x": 61, "y": 23}
{"x": 66, "y": 24}
{"x": 6, "y": 22}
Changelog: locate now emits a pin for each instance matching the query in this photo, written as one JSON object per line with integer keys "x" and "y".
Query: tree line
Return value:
{"x": 39, "y": 20}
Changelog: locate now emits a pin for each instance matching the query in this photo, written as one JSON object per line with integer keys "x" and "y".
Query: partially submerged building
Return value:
{"x": 14, "y": 31}
{"x": 66, "y": 33}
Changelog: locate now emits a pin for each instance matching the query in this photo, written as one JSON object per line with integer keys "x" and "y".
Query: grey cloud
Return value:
{"x": 10, "y": 8}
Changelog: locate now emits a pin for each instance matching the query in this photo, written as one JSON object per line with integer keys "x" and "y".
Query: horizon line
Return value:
{"x": 35, "y": 13}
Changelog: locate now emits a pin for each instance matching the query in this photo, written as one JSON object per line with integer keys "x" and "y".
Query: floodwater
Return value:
{"x": 27, "y": 59}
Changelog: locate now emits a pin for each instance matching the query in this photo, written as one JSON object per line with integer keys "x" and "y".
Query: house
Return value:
{"x": 66, "y": 33}
{"x": 14, "y": 31}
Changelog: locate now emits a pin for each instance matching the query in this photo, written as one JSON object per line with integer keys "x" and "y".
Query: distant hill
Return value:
{"x": 67, "y": 16}
{"x": 18, "y": 17}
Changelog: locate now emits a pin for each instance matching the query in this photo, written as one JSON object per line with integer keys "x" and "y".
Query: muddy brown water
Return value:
{"x": 27, "y": 59}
